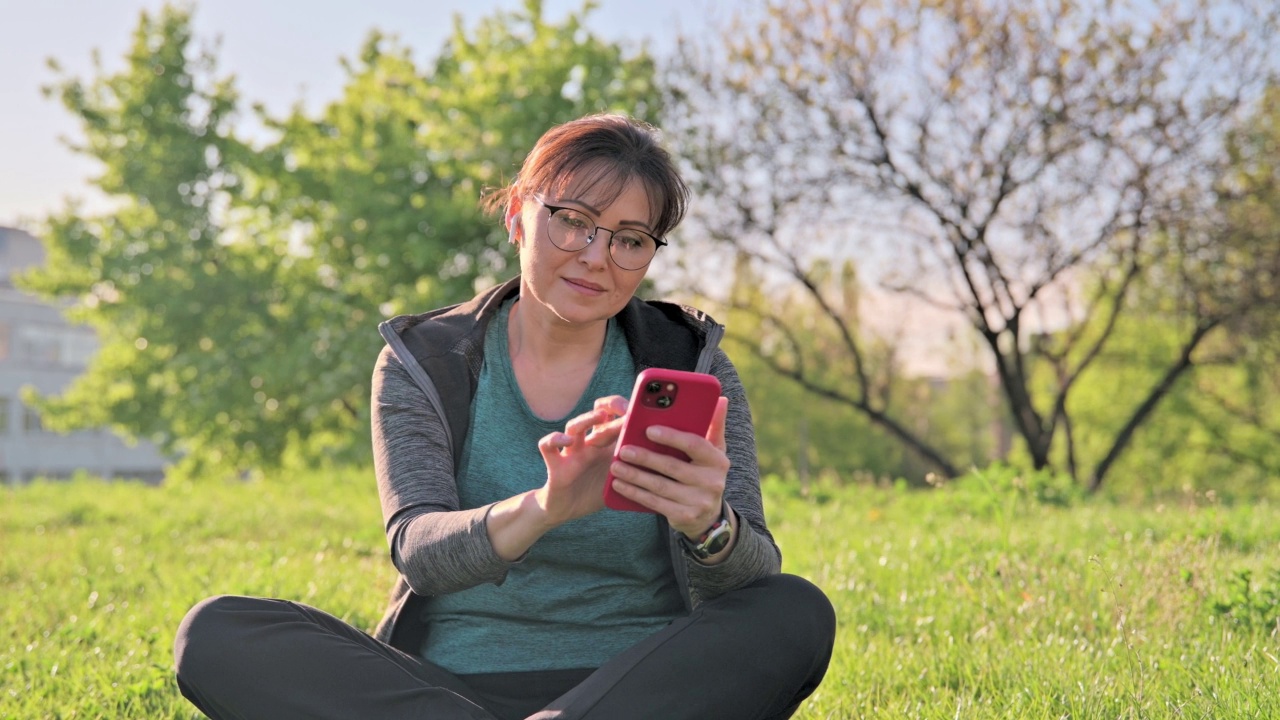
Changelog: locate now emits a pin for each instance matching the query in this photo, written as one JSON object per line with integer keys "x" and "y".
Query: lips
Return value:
{"x": 585, "y": 284}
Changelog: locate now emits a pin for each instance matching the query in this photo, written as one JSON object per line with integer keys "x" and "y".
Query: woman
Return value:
{"x": 494, "y": 423}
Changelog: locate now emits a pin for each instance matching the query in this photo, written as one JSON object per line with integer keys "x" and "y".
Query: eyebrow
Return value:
{"x": 594, "y": 211}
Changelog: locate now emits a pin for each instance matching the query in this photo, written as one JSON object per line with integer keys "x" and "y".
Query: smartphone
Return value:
{"x": 680, "y": 400}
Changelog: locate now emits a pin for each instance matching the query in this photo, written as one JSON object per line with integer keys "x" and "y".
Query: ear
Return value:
{"x": 512, "y": 219}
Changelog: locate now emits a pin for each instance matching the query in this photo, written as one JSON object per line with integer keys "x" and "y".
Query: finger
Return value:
{"x": 715, "y": 433}
{"x": 663, "y": 465}
{"x": 613, "y": 404}
{"x": 699, "y": 449}
{"x": 552, "y": 444}
{"x": 654, "y": 484}
{"x": 604, "y": 434}
{"x": 681, "y": 512}
{"x": 642, "y": 496}
{"x": 683, "y": 483}
{"x": 585, "y": 422}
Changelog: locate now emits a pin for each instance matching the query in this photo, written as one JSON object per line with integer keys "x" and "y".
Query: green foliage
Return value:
{"x": 1001, "y": 481}
{"x": 1250, "y": 606}
{"x": 1216, "y": 428}
{"x": 179, "y": 310}
{"x": 1096, "y": 610}
{"x": 236, "y": 289}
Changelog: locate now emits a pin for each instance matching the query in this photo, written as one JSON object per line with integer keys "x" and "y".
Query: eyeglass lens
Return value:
{"x": 571, "y": 231}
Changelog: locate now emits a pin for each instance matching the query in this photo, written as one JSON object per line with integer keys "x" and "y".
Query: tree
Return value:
{"x": 236, "y": 289}
{"x": 800, "y": 434}
{"x": 989, "y": 158}
{"x": 1217, "y": 427}
{"x": 1215, "y": 277}
{"x": 1212, "y": 279}
{"x": 161, "y": 129}
{"x": 795, "y": 431}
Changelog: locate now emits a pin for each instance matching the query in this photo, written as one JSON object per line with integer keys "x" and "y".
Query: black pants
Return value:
{"x": 752, "y": 654}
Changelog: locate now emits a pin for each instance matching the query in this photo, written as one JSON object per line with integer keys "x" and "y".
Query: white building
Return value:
{"x": 38, "y": 348}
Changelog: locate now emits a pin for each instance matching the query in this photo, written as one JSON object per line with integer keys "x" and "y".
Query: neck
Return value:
{"x": 543, "y": 340}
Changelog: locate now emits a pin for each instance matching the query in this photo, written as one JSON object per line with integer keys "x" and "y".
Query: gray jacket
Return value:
{"x": 422, "y": 389}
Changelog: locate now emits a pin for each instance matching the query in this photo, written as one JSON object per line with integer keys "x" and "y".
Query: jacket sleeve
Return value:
{"x": 754, "y": 555}
{"x": 436, "y": 546}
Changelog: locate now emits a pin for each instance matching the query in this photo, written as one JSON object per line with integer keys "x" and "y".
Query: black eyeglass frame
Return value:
{"x": 551, "y": 211}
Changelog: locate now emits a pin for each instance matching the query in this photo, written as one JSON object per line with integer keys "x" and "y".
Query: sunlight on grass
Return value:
{"x": 970, "y": 601}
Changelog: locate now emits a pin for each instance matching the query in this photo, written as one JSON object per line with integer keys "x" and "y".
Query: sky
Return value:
{"x": 280, "y": 51}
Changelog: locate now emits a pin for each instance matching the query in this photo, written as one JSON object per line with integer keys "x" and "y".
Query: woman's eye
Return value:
{"x": 571, "y": 219}
{"x": 630, "y": 241}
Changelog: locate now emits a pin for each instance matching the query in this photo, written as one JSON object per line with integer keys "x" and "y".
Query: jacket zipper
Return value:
{"x": 715, "y": 334}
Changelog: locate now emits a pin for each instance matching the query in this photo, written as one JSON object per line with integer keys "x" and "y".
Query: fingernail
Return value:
{"x": 627, "y": 453}
{"x": 656, "y": 432}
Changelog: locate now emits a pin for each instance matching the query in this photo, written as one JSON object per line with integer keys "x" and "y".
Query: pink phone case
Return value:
{"x": 676, "y": 399}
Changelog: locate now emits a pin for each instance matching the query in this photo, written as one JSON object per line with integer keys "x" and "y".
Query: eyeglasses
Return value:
{"x": 573, "y": 230}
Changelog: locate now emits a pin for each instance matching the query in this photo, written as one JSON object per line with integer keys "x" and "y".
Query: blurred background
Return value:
{"x": 941, "y": 235}
{"x": 281, "y": 54}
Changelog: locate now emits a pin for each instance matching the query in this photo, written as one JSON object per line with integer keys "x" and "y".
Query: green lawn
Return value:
{"x": 964, "y": 602}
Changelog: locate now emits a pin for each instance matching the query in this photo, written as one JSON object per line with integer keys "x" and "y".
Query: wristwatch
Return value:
{"x": 714, "y": 540}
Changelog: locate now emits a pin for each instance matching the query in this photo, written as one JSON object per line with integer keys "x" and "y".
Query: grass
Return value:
{"x": 985, "y": 599}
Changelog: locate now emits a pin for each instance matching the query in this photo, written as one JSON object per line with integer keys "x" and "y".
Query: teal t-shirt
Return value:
{"x": 588, "y": 589}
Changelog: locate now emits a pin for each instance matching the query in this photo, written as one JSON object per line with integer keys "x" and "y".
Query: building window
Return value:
{"x": 4, "y": 341}
{"x": 4, "y": 416}
{"x": 39, "y": 344}
{"x": 31, "y": 420}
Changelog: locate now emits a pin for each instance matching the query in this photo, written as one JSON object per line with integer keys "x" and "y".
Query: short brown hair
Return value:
{"x": 602, "y": 152}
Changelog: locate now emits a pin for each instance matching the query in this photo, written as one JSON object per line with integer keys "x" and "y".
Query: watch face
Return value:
{"x": 716, "y": 539}
{"x": 718, "y": 543}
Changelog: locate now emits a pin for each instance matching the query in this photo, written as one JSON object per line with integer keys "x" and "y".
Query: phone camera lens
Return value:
{"x": 664, "y": 401}
{"x": 654, "y": 387}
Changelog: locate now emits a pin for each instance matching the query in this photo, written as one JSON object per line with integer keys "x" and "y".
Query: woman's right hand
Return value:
{"x": 578, "y": 460}
{"x": 577, "y": 463}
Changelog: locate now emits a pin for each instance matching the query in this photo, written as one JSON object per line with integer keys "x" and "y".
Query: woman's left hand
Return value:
{"x": 690, "y": 494}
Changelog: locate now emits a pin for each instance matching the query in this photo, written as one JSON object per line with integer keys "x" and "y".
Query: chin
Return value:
{"x": 576, "y": 310}
{"x": 582, "y": 316}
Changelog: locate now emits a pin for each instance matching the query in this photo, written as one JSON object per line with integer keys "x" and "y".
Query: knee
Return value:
{"x": 792, "y": 619}
{"x": 804, "y": 610}
{"x": 791, "y": 611}
{"x": 206, "y": 636}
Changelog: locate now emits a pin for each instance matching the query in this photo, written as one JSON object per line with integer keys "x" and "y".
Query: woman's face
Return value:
{"x": 584, "y": 286}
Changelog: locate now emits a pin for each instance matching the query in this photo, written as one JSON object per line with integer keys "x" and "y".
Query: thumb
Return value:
{"x": 715, "y": 433}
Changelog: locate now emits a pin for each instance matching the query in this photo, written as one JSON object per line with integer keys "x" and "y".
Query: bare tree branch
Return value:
{"x": 1149, "y": 403}
{"x": 1023, "y": 150}
{"x": 893, "y": 427}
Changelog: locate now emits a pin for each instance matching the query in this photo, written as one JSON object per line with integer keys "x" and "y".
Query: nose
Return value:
{"x": 596, "y": 253}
